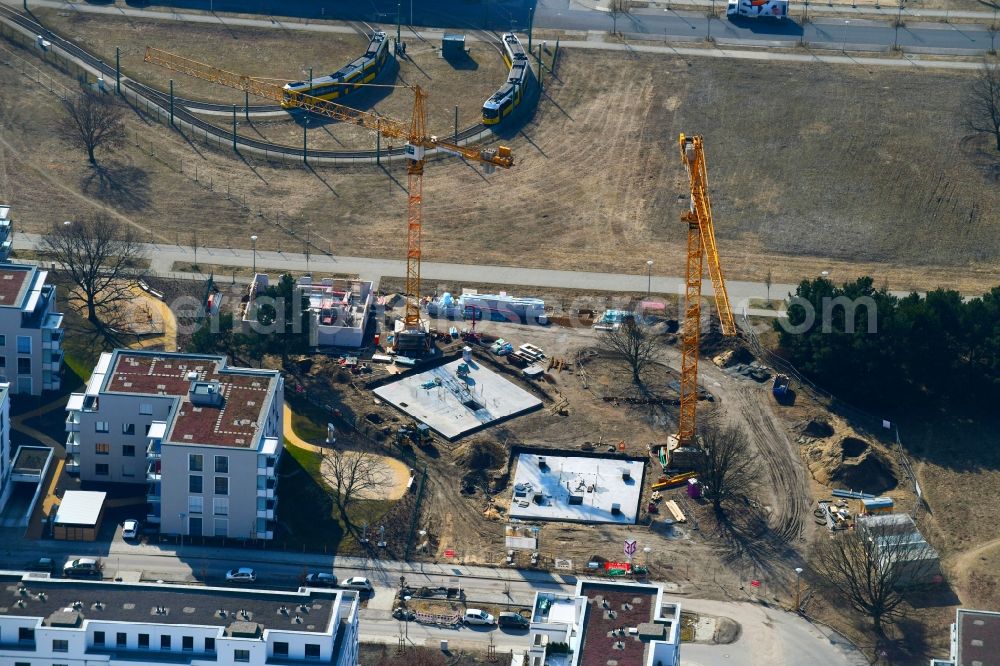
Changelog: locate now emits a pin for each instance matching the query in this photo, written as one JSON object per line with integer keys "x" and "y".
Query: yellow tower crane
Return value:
{"x": 701, "y": 244}
{"x": 417, "y": 143}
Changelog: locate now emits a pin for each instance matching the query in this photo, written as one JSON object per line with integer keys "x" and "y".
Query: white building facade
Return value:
{"x": 31, "y": 356}
{"x": 204, "y": 438}
{"x": 77, "y": 623}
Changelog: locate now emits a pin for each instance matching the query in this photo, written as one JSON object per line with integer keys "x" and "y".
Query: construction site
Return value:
{"x": 517, "y": 437}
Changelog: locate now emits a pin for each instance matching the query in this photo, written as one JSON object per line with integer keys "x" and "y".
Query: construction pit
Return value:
{"x": 458, "y": 398}
{"x": 581, "y": 489}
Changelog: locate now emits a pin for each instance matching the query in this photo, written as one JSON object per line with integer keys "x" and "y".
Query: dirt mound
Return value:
{"x": 480, "y": 455}
{"x": 852, "y": 463}
{"x": 817, "y": 428}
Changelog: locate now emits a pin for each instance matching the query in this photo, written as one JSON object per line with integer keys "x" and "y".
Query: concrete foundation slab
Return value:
{"x": 454, "y": 402}
{"x": 576, "y": 489}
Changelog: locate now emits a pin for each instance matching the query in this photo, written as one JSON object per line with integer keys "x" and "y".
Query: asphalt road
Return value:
{"x": 854, "y": 34}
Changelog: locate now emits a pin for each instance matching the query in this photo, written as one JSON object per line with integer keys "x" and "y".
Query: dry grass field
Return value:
{"x": 813, "y": 167}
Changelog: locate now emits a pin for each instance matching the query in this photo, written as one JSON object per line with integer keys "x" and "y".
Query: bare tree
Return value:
{"x": 633, "y": 341}
{"x": 102, "y": 256}
{"x": 91, "y": 121}
{"x": 872, "y": 567}
{"x": 767, "y": 283}
{"x": 618, "y": 8}
{"x": 982, "y": 108}
{"x": 727, "y": 467}
{"x": 352, "y": 475}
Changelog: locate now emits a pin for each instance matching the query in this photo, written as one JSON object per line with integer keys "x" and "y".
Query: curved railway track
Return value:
{"x": 185, "y": 110}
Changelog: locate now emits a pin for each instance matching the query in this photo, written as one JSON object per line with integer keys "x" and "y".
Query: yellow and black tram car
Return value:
{"x": 347, "y": 78}
{"x": 503, "y": 101}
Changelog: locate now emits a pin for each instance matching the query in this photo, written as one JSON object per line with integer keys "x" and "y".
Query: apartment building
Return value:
{"x": 81, "y": 623}
{"x": 204, "y": 437}
{"x": 6, "y": 235}
{"x": 30, "y": 331}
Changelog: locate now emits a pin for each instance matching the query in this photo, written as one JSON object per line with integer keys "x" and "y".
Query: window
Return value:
{"x": 221, "y": 527}
{"x": 165, "y": 642}
{"x": 25, "y": 634}
{"x": 24, "y": 344}
{"x": 241, "y": 655}
{"x": 147, "y": 428}
{"x": 222, "y": 464}
{"x": 195, "y": 483}
{"x": 196, "y": 504}
{"x": 196, "y": 463}
{"x": 187, "y": 643}
{"x": 220, "y": 506}
{"x": 102, "y": 448}
{"x": 3, "y": 361}
{"x": 102, "y": 426}
{"x": 60, "y": 645}
{"x": 3, "y": 340}
{"x": 312, "y": 650}
{"x": 128, "y": 450}
{"x": 24, "y": 366}
{"x": 101, "y": 469}
{"x": 143, "y": 640}
{"x": 222, "y": 485}
{"x": 195, "y": 526}
{"x": 209, "y": 645}
{"x": 128, "y": 428}
{"x": 98, "y": 638}
{"x": 121, "y": 639}
{"x": 280, "y": 649}
{"x": 146, "y": 408}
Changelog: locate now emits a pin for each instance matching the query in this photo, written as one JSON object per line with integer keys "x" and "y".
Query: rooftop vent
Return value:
{"x": 297, "y": 619}
{"x": 192, "y": 375}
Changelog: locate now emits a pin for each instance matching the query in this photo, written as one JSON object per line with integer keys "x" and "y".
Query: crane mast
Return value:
{"x": 700, "y": 246}
{"x": 418, "y": 142}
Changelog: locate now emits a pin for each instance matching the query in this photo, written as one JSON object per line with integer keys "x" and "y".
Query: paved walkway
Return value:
{"x": 889, "y": 9}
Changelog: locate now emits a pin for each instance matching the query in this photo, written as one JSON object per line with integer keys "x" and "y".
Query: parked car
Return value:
{"x": 44, "y": 564}
{"x": 241, "y": 575}
{"x": 480, "y": 617}
{"x": 82, "y": 567}
{"x": 321, "y": 579}
{"x": 512, "y": 621}
{"x": 359, "y": 583}
{"x": 130, "y": 528}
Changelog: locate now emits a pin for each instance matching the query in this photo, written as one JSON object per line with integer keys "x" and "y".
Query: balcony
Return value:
{"x": 153, "y": 451}
{"x": 153, "y": 471}
{"x": 73, "y": 443}
{"x": 72, "y": 465}
{"x": 73, "y": 421}
{"x": 267, "y": 514}
{"x": 153, "y": 493}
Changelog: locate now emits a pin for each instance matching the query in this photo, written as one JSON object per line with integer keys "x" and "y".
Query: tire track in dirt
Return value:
{"x": 783, "y": 467}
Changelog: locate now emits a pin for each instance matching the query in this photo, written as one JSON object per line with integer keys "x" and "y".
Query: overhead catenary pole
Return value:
{"x": 235, "y": 149}
{"x": 171, "y": 101}
{"x": 531, "y": 19}
{"x": 398, "y": 20}
{"x": 456, "y": 123}
{"x": 305, "y": 142}
{"x": 118, "y": 71}
{"x": 541, "y": 86}
{"x": 246, "y": 104}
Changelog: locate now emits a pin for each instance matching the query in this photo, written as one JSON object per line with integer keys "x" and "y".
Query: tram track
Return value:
{"x": 187, "y": 111}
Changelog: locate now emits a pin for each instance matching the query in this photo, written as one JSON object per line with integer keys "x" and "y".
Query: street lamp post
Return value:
{"x": 181, "y": 516}
{"x": 798, "y": 578}
{"x": 844, "y": 47}
{"x": 649, "y": 277}
{"x": 253, "y": 245}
